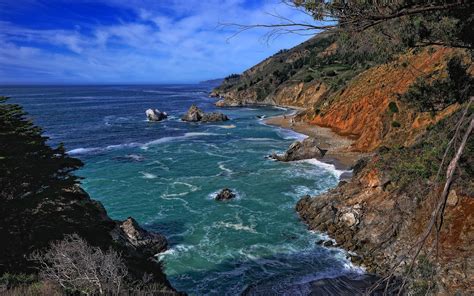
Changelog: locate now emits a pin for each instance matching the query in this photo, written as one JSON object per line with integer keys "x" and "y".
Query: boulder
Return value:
{"x": 306, "y": 149}
{"x": 195, "y": 114}
{"x": 155, "y": 115}
{"x": 220, "y": 103}
{"x": 145, "y": 242}
{"x": 225, "y": 194}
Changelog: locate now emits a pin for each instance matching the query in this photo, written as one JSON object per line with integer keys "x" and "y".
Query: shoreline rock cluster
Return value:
{"x": 195, "y": 114}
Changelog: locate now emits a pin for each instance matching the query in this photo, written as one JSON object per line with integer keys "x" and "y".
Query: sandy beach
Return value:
{"x": 338, "y": 145}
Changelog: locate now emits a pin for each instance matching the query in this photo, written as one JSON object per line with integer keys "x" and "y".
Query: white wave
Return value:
{"x": 148, "y": 175}
{"x": 99, "y": 149}
{"x": 118, "y": 146}
{"x": 258, "y": 139}
{"x": 175, "y": 251}
{"x": 222, "y": 167}
{"x": 236, "y": 226}
{"x": 291, "y": 135}
{"x": 170, "y": 139}
{"x": 225, "y": 126}
{"x": 326, "y": 166}
{"x": 192, "y": 188}
{"x": 82, "y": 151}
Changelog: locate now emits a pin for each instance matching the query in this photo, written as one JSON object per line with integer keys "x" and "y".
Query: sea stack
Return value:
{"x": 155, "y": 115}
{"x": 195, "y": 114}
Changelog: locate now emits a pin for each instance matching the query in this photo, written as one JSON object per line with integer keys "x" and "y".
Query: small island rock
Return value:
{"x": 155, "y": 115}
{"x": 225, "y": 194}
{"x": 195, "y": 114}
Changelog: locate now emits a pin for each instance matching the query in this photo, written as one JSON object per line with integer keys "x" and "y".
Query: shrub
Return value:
{"x": 442, "y": 92}
{"x": 392, "y": 106}
{"x": 396, "y": 124}
{"x": 308, "y": 78}
{"x": 232, "y": 77}
{"x": 78, "y": 267}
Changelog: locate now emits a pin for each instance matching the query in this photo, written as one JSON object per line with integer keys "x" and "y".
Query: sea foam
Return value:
{"x": 326, "y": 166}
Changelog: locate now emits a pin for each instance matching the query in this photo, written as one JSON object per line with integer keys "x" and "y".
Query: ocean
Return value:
{"x": 166, "y": 174}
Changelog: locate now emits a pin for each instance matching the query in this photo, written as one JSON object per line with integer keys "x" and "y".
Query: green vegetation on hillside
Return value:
{"x": 436, "y": 94}
{"x": 413, "y": 168}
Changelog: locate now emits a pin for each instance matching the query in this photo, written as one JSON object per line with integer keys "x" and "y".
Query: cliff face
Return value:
{"x": 362, "y": 108}
{"x": 381, "y": 213}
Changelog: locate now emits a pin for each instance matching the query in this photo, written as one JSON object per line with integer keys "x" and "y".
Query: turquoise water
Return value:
{"x": 166, "y": 174}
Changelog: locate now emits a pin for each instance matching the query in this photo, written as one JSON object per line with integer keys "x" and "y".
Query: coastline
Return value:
{"x": 338, "y": 146}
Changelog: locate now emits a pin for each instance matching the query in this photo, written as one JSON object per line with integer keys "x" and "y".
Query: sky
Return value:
{"x": 135, "y": 41}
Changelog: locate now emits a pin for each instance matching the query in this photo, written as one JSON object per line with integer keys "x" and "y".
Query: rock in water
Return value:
{"x": 145, "y": 242}
{"x": 225, "y": 194}
{"x": 195, "y": 114}
{"x": 306, "y": 149}
{"x": 155, "y": 115}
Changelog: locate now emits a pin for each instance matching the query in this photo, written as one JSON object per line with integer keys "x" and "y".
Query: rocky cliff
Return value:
{"x": 381, "y": 213}
{"x": 401, "y": 110}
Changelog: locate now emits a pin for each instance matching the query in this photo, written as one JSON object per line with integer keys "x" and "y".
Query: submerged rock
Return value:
{"x": 155, "y": 115}
{"x": 306, "y": 149}
{"x": 195, "y": 114}
{"x": 225, "y": 194}
{"x": 145, "y": 242}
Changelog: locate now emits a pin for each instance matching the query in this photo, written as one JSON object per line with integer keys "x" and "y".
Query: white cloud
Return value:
{"x": 179, "y": 41}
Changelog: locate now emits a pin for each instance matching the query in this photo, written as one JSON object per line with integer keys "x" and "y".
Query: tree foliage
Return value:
{"x": 29, "y": 166}
{"x": 437, "y": 94}
{"x": 448, "y": 22}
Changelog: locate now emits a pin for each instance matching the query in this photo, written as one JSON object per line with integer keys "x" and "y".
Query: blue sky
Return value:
{"x": 134, "y": 41}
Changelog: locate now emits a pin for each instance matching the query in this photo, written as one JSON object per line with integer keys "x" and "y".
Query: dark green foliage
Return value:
{"x": 308, "y": 78}
{"x": 435, "y": 95}
{"x": 412, "y": 168}
{"x": 392, "y": 106}
{"x": 396, "y": 124}
{"x": 232, "y": 77}
{"x": 9, "y": 280}
{"x": 29, "y": 166}
{"x": 423, "y": 283}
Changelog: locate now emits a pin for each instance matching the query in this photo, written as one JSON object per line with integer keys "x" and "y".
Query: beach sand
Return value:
{"x": 338, "y": 145}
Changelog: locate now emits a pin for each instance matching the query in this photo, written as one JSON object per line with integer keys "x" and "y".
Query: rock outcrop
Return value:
{"x": 195, "y": 114}
{"x": 144, "y": 242}
{"x": 306, "y": 149}
{"x": 225, "y": 194}
{"x": 155, "y": 115}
